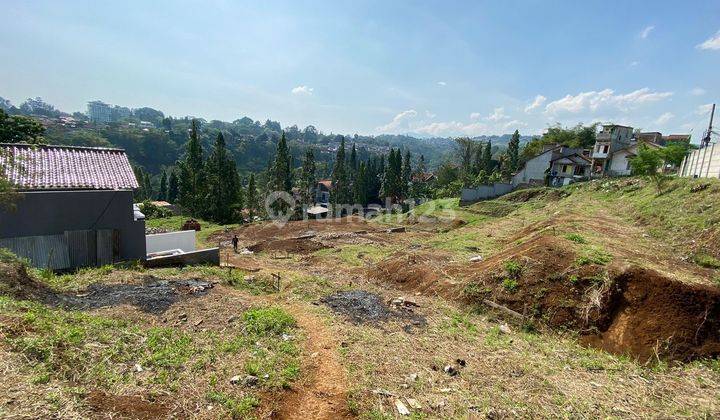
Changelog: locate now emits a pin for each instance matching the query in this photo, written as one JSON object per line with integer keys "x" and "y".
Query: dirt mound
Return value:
{"x": 651, "y": 316}
{"x": 527, "y": 194}
{"x": 293, "y": 246}
{"x": 126, "y": 406}
{"x": 416, "y": 272}
{"x": 259, "y": 232}
{"x": 16, "y": 282}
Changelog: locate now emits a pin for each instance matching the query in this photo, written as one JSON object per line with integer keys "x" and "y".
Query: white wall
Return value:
{"x": 184, "y": 239}
{"x": 702, "y": 163}
{"x": 534, "y": 169}
{"x": 619, "y": 162}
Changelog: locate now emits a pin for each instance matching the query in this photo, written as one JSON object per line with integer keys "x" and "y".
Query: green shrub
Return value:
{"x": 576, "y": 237}
{"x": 707, "y": 261}
{"x": 267, "y": 321}
{"x": 509, "y": 284}
{"x": 513, "y": 269}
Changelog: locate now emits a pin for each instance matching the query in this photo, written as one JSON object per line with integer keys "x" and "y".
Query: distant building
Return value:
{"x": 619, "y": 163}
{"x": 99, "y": 112}
{"x": 556, "y": 165}
{"x": 322, "y": 191}
{"x": 75, "y": 206}
{"x": 613, "y": 137}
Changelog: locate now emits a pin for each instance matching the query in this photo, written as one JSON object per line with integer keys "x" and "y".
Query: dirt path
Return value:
{"x": 322, "y": 392}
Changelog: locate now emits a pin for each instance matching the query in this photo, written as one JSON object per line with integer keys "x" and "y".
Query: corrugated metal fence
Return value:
{"x": 73, "y": 249}
{"x": 702, "y": 163}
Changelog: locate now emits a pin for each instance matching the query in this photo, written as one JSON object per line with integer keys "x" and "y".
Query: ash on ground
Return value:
{"x": 362, "y": 307}
{"x": 153, "y": 295}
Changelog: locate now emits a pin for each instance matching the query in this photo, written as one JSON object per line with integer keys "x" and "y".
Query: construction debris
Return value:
{"x": 401, "y": 408}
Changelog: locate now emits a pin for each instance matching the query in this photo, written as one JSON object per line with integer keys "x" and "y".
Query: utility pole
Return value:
{"x": 706, "y": 140}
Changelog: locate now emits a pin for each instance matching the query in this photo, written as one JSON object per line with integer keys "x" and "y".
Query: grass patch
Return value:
{"x": 358, "y": 255}
{"x": 576, "y": 237}
{"x": 707, "y": 261}
{"x": 237, "y": 407}
{"x": 593, "y": 255}
{"x": 174, "y": 223}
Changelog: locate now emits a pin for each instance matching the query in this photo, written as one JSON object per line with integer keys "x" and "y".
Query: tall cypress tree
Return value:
{"x": 341, "y": 185}
{"x": 251, "y": 197}
{"x": 360, "y": 187}
{"x": 406, "y": 177}
{"x": 513, "y": 152}
{"x": 308, "y": 181}
{"x": 353, "y": 162}
{"x": 191, "y": 179}
{"x": 162, "y": 195}
{"x": 172, "y": 193}
{"x": 281, "y": 178}
{"x": 487, "y": 157}
{"x": 392, "y": 179}
{"x": 223, "y": 183}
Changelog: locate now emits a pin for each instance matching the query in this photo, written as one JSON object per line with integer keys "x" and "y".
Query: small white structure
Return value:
{"x": 619, "y": 164}
{"x": 558, "y": 164}
{"x": 170, "y": 243}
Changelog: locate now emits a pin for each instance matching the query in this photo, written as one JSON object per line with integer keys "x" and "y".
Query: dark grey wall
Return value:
{"x": 54, "y": 212}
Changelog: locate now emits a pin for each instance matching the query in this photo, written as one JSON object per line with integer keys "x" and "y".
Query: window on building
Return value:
{"x": 566, "y": 168}
{"x": 605, "y": 148}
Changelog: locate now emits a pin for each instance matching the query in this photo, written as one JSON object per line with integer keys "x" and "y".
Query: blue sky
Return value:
{"x": 443, "y": 68}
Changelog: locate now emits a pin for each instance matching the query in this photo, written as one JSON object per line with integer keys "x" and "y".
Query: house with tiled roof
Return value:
{"x": 73, "y": 207}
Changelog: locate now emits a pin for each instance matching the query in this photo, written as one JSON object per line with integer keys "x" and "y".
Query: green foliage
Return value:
{"x": 647, "y": 161}
{"x": 675, "y": 152}
{"x": 152, "y": 211}
{"x": 509, "y": 284}
{"x": 224, "y": 185}
{"x": 576, "y": 237}
{"x": 238, "y": 408}
{"x": 593, "y": 255}
{"x": 513, "y": 269}
{"x": 191, "y": 176}
{"x": 513, "y": 151}
{"x": 20, "y": 129}
{"x": 705, "y": 260}
{"x": 268, "y": 321}
{"x": 579, "y": 136}
{"x": 308, "y": 177}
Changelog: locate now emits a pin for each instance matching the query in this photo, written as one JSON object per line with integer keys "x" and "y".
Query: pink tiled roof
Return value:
{"x": 31, "y": 167}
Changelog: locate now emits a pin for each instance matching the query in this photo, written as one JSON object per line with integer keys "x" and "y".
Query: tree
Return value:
{"x": 647, "y": 161}
{"x": 513, "y": 152}
{"x": 360, "y": 186}
{"x": 353, "y": 162}
{"x": 487, "y": 158}
{"x": 675, "y": 152}
{"x": 392, "y": 181}
{"x": 20, "y": 129}
{"x": 172, "y": 187}
{"x": 251, "y": 197}
{"x": 223, "y": 183}
{"x": 406, "y": 175}
{"x": 465, "y": 150}
{"x": 192, "y": 182}
{"x": 162, "y": 194}
{"x": 341, "y": 193}
{"x": 281, "y": 176}
{"x": 307, "y": 177}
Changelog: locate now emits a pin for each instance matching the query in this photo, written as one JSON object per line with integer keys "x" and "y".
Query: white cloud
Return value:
{"x": 595, "y": 100}
{"x": 634, "y": 63}
{"x": 646, "y": 31}
{"x": 474, "y": 115}
{"x": 302, "y": 90}
{"x": 497, "y": 115}
{"x": 664, "y": 118}
{"x": 399, "y": 121}
{"x": 703, "y": 110}
{"x": 536, "y": 103}
{"x": 453, "y": 128}
{"x": 698, "y": 91}
{"x": 712, "y": 43}
{"x": 442, "y": 84}
{"x": 514, "y": 124}
{"x": 430, "y": 115}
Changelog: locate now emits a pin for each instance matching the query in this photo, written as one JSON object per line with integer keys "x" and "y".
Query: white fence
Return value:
{"x": 484, "y": 192}
{"x": 183, "y": 240}
{"x": 702, "y": 163}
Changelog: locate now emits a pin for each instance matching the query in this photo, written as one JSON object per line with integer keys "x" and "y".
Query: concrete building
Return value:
{"x": 74, "y": 206}
{"x": 612, "y": 137}
{"x": 99, "y": 112}
{"x": 556, "y": 165}
{"x": 619, "y": 163}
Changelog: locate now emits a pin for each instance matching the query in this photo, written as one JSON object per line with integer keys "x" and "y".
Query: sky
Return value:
{"x": 434, "y": 68}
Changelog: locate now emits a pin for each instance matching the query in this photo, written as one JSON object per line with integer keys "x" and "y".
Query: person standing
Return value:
{"x": 235, "y": 241}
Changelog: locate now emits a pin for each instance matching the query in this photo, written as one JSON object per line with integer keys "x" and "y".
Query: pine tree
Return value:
{"x": 162, "y": 195}
{"x": 281, "y": 177}
{"x": 191, "y": 180}
{"x": 341, "y": 193}
{"x": 513, "y": 152}
{"x": 251, "y": 197}
{"x": 308, "y": 180}
{"x": 360, "y": 186}
{"x": 392, "y": 179}
{"x": 487, "y": 157}
{"x": 406, "y": 177}
{"x": 353, "y": 166}
{"x": 478, "y": 164}
{"x": 172, "y": 187}
{"x": 223, "y": 183}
